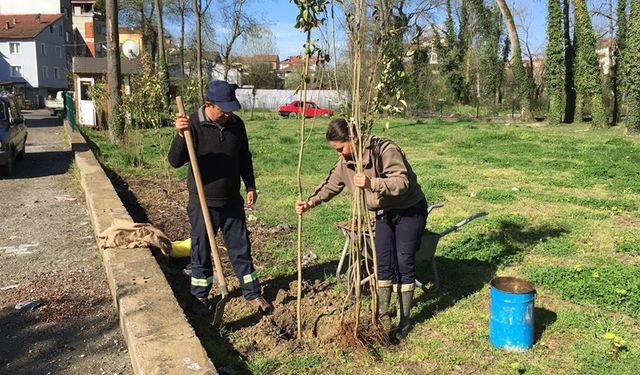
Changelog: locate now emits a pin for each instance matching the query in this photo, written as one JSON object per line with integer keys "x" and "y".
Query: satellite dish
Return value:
{"x": 130, "y": 49}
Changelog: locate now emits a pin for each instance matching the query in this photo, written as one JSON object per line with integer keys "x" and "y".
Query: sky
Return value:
{"x": 280, "y": 16}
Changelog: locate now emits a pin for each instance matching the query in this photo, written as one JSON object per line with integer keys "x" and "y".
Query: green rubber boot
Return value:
{"x": 384, "y": 298}
{"x": 405, "y": 299}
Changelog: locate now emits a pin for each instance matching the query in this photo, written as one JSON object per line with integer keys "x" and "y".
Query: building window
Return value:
{"x": 56, "y": 73}
{"x": 60, "y": 31}
{"x": 14, "y": 48}
{"x": 16, "y": 71}
{"x": 66, "y": 36}
{"x": 43, "y": 49}
{"x": 45, "y": 71}
{"x": 59, "y": 51}
{"x": 85, "y": 86}
{"x": 65, "y": 10}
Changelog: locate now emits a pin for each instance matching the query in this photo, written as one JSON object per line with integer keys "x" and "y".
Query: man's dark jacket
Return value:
{"x": 223, "y": 157}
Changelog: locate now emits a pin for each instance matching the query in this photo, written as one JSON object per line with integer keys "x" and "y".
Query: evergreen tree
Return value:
{"x": 617, "y": 79}
{"x": 631, "y": 64}
{"x": 451, "y": 57}
{"x": 554, "y": 62}
{"x": 419, "y": 78}
{"x": 587, "y": 73}
{"x": 491, "y": 63}
{"x": 569, "y": 58}
{"x": 464, "y": 48}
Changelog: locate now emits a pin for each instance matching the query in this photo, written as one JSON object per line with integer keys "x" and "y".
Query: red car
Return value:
{"x": 294, "y": 109}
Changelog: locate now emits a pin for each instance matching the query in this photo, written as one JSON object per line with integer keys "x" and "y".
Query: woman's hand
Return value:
{"x": 362, "y": 181}
{"x": 182, "y": 124}
{"x": 302, "y": 207}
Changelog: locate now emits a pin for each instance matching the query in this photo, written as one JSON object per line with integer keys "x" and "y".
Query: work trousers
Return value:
{"x": 231, "y": 219}
{"x": 398, "y": 236}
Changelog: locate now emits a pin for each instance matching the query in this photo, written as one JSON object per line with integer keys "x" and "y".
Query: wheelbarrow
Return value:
{"x": 427, "y": 250}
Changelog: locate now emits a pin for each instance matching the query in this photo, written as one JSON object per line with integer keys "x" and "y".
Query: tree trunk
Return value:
{"x": 198, "y": 14}
{"x": 226, "y": 62}
{"x": 612, "y": 68}
{"x": 517, "y": 66}
{"x": 182, "y": 45}
{"x": 114, "y": 80}
{"x": 569, "y": 57}
{"x": 162, "y": 57}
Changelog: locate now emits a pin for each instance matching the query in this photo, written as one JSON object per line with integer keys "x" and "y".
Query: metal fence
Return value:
{"x": 271, "y": 99}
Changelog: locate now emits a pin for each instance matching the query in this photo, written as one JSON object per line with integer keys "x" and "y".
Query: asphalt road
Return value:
{"x": 48, "y": 255}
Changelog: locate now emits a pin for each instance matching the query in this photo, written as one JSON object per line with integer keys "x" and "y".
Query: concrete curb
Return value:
{"x": 159, "y": 337}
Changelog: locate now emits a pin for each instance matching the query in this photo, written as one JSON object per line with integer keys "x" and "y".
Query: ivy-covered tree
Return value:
{"x": 391, "y": 26}
{"x": 631, "y": 64}
{"x": 569, "y": 58}
{"x": 465, "y": 48}
{"x": 451, "y": 57}
{"x": 491, "y": 63}
{"x": 424, "y": 89}
{"x": 554, "y": 62}
{"x": 617, "y": 79}
{"x": 587, "y": 73}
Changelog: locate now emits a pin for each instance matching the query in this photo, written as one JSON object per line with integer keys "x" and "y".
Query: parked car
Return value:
{"x": 294, "y": 109}
{"x": 55, "y": 105}
{"x": 13, "y": 133}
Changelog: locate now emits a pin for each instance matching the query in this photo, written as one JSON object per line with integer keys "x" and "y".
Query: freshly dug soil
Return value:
{"x": 245, "y": 332}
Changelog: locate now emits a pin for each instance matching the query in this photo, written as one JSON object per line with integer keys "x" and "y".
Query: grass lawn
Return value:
{"x": 564, "y": 213}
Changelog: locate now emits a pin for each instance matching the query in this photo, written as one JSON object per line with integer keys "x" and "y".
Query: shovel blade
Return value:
{"x": 218, "y": 312}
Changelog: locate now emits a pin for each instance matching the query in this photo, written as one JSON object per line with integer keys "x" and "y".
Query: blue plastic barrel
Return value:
{"x": 511, "y": 313}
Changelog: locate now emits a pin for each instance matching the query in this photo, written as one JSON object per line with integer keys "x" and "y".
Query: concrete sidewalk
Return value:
{"x": 158, "y": 335}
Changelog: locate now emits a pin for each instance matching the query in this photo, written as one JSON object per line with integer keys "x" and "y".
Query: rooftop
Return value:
{"x": 98, "y": 65}
{"x": 25, "y": 26}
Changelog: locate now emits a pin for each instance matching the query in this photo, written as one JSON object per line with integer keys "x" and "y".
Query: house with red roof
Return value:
{"x": 33, "y": 58}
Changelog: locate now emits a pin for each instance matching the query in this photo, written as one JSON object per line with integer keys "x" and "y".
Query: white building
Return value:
{"x": 33, "y": 61}
{"x": 13, "y": 7}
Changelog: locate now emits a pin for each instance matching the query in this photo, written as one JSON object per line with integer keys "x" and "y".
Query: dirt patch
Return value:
{"x": 62, "y": 299}
{"x": 245, "y": 332}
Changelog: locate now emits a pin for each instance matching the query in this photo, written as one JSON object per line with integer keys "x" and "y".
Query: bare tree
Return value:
{"x": 518, "y": 69}
{"x": 234, "y": 12}
{"x": 140, "y": 14}
{"x": 161, "y": 65}
{"x": 181, "y": 10}
{"x": 116, "y": 126}
{"x": 534, "y": 73}
{"x": 200, "y": 9}
{"x": 259, "y": 73}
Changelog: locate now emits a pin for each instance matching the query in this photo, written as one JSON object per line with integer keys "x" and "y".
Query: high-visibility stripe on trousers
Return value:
{"x": 231, "y": 219}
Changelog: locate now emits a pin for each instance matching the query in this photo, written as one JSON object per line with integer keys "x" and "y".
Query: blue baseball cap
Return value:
{"x": 223, "y": 94}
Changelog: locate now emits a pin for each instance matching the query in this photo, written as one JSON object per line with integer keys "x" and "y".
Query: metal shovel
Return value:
{"x": 222, "y": 284}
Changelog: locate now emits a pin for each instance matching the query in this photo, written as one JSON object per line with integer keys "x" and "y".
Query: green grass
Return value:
{"x": 564, "y": 211}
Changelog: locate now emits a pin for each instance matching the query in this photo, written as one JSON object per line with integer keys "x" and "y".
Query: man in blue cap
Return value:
{"x": 222, "y": 149}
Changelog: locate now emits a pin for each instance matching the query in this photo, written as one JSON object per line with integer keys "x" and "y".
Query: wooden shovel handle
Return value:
{"x": 203, "y": 202}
